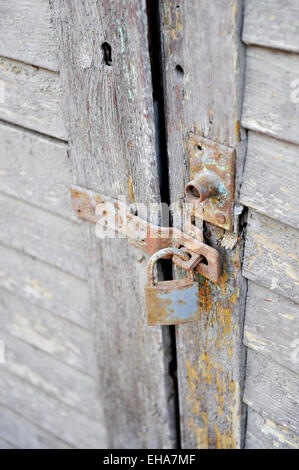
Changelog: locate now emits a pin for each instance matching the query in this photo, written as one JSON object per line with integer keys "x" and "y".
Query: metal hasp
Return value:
{"x": 117, "y": 216}
{"x": 212, "y": 172}
{"x": 171, "y": 302}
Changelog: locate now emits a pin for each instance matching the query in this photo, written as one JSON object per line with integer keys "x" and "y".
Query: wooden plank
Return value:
{"x": 30, "y": 229}
{"x": 271, "y": 255}
{"x": 65, "y": 423}
{"x": 262, "y": 433}
{"x": 32, "y": 98}
{"x": 203, "y": 62}
{"x": 112, "y": 144}
{"x": 272, "y": 390}
{"x": 26, "y": 33}
{"x": 24, "y": 435}
{"x": 60, "y": 338}
{"x": 6, "y": 445}
{"x": 268, "y": 104}
{"x": 44, "y": 286}
{"x": 272, "y": 326}
{"x": 271, "y": 177}
{"x": 52, "y": 376}
{"x": 272, "y": 23}
{"x": 35, "y": 169}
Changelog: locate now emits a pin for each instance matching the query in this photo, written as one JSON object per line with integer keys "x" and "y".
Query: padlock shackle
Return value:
{"x": 165, "y": 253}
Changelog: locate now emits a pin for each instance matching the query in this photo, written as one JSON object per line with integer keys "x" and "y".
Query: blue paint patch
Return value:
{"x": 181, "y": 304}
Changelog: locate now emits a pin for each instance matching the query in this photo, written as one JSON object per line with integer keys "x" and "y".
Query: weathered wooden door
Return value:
{"x": 137, "y": 79}
{"x": 105, "y": 94}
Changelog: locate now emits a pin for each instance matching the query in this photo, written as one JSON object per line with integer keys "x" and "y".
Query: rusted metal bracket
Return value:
{"x": 211, "y": 189}
{"x": 113, "y": 214}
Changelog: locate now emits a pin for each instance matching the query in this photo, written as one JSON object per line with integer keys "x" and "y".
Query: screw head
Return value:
{"x": 220, "y": 218}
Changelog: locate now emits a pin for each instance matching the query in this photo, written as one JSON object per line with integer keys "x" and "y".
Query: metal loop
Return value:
{"x": 165, "y": 253}
{"x": 191, "y": 263}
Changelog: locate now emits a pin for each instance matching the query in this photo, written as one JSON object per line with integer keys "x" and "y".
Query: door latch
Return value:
{"x": 211, "y": 189}
{"x": 113, "y": 214}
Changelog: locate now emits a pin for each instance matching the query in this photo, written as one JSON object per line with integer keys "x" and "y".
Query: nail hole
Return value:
{"x": 179, "y": 70}
{"x": 199, "y": 147}
{"x": 107, "y": 55}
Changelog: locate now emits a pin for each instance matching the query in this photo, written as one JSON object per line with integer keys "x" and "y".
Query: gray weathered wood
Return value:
{"x": 32, "y": 98}
{"x": 204, "y": 96}
{"x": 35, "y": 169}
{"x": 52, "y": 376}
{"x": 60, "y": 338}
{"x": 268, "y": 104}
{"x": 25, "y": 435}
{"x": 270, "y": 179}
{"x": 26, "y": 33}
{"x": 112, "y": 144}
{"x": 271, "y": 255}
{"x": 262, "y": 433}
{"x": 45, "y": 286}
{"x": 272, "y": 390}
{"x": 43, "y": 235}
{"x": 6, "y": 445}
{"x": 272, "y": 23}
{"x": 50, "y": 414}
{"x": 272, "y": 326}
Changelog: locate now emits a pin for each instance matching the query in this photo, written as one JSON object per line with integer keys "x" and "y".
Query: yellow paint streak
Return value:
{"x": 201, "y": 435}
{"x": 237, "y": 130}
{"x": 130, "y": 190}
{"x": 222, "y": 281}
{"x": 192, "y": 384}
{"x": 223, "y": 315}
{"x": 224, "y": 440}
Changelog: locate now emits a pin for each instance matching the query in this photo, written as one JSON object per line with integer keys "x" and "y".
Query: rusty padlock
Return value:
{"x": 171, "y": 302}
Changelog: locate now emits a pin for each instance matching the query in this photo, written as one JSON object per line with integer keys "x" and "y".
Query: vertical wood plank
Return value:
{"x": 105, "y": 71}
{"x": 203, "y": 63}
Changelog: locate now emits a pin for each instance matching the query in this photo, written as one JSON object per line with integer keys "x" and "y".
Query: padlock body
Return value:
{"x": 172, "y": 302}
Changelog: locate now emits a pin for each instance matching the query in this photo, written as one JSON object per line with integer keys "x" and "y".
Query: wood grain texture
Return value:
{"x": 60, "y": 338}
{"x": 112, "y": 145}
{"x": 6, "y": 445}
{"x": 262, "y": 433}
{"x": 45, "y": 286}
{"x": 43, "y": 235}
{"x": 26, "y": 33}
{"x": 52, "y": 376}
{"x": 32, "y": 98}
{"x": 271, "y": 177}
{"x": 22, "y": 434}
{"x": 271, "y": 255}
{"x": 62, "y": 421}
{"x": 272, "y": 23}
{"x": 35, "y": 169}
{"x": 272, "y": 390}
{"x": 203, "y": 63}
{"x": 272, "y": 326}
{"x": 269, "y": 106}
